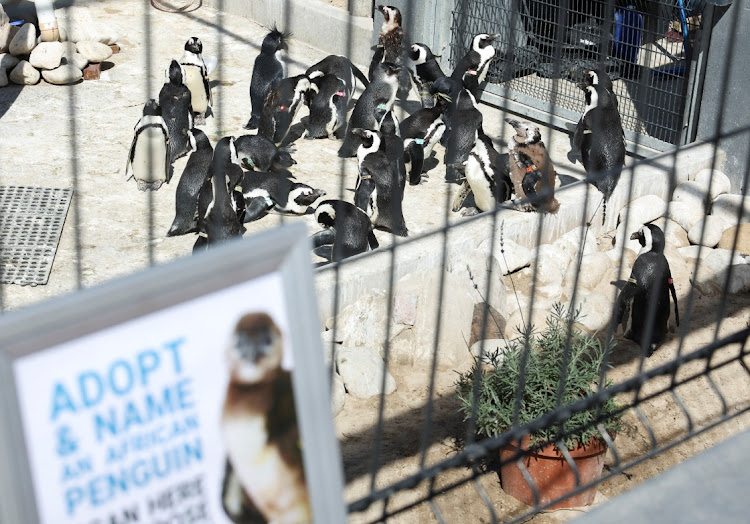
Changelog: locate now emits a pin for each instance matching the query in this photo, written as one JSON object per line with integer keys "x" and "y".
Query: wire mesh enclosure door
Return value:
{"x": 545, "y": 47}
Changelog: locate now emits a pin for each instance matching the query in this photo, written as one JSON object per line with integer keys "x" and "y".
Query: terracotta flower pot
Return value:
{"x": 552, "y": 475}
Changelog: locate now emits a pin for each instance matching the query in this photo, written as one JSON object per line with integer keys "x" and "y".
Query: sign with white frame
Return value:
{"x": 193, "y": 392}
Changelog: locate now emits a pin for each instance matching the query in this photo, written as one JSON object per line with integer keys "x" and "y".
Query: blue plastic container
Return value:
{"x": 628, "y": 34}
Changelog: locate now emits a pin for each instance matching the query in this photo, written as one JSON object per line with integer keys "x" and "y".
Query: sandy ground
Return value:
{"x": 52, "y": 133}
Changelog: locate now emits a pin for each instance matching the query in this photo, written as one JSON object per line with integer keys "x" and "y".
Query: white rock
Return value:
{"x": 712, "y": 273}
{"x": 94, "y": 51}
{"x": 362, "y": 369}
{"x": 642, "y": 211}
{"x": 66, "y": 74}
{"x": 551, "y": 263}
{"x": 74, "y": 59}
{"x": 24, "y": 74}
{"x": 474, "y": 265}
{"x": 24, "y": 41}
{"x": 727, "y": 208}
{"x": 684, "y": 214}
{"x": 511, "y": 256}
{"x": 47, "y": 55}
{"x": 490, "y": 345}
{"x": 690, "y": 253}
{"x": 570, "y": 242}
{"x": 618, "y": 270}
{"x": 720, "y": 183}
{"x": 714, "y": 227}
{"x": 596, "y": 311}
{"x": 338, "y": 394}
{"x": 594, "y": 267}
{"x": 363, "y": 323}
{"x": 78, "y": 25}
{"x": 3, "y": 77}
{"x": 519, "y": 320}
{"x": 8, "y": 61}
{"x": 4, "y": 30}
{"x": 674, "y": 234}
{"x": 691, "y": 193}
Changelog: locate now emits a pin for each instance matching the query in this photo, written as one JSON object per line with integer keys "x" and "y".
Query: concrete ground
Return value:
{"x": 79, "y": 136}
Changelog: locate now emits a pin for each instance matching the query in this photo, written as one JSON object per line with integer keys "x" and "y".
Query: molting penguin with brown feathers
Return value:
{"x": 392, "y": 46}
{"x": 529, "y": 158}
{"x": 259, "y": 429}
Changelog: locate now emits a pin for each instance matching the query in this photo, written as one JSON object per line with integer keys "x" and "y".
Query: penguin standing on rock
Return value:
{"x": 192, "y": 179}
{"x": 472, "y": 68}
{"x": 196, "y": 79}
{"x": 348, "y": 229}
{"x": 650, "y": 280}
{"x": 176, "y": 110}
{"x": 149, "y": 158}
{"x": 281, "y": 106}
{"x": 424, "y": 69}
{"x": 392, "y": 46}
{"x": 268, "y": 71}
{"x": 529, "y": 158}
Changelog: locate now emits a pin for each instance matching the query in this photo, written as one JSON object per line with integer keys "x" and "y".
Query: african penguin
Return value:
{"x": 348, "y": 229}
{"x": 650, "y": 280}
{"x": 424, "y": 69}
{"x": 258, "y": 153}
{"x": 379, "y": 191}
{"x": 487, "y": 175}
{"x": 328, "y": 107}
{"x": 281, "y": 106}
{"x": 598, "y": 77}
{"x": 600, "y": 139}
{"x": 263, "y": 192}
{"x": 192, "y": 179}
{"x": 218, "y": 218}
{"x": 174, "y": 100}
{"x": 528, "y": 155}
{"x": 340, "y": 67}
{"x": 445, "y": 91}
{"x": 420, "y": 132}
{"x": 393, "y": 42}
{"x": 393, "y": 145}
{"x": 196, "y": 79}
{"x": 268, "y": 70}
{"x": 259, "y": 427}
{"x": 149, "y": 159}
{"x": 472, "y": 68}
{"x": 465, "y": 123}
{"x": 377, "y": 97}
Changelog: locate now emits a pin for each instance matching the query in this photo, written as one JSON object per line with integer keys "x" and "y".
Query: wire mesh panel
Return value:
{"x": 645, "y": 47}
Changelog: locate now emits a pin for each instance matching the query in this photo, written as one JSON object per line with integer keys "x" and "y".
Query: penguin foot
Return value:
{"x": 252, "y": 123}
{"x": 470, "y": 212}
{"x": 149, "y": 186}
{"x": 200, "y": 120}
{"x": 519, "y": 205}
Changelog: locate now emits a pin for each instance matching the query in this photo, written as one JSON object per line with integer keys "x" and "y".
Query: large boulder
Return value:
{"x": 72, "y": 57}
{"x": 691, "y": 193}
{"x": 65, "y": 74}
{"x": 94, "y": 51}
{"x": 24, "y": 41}
{"x": 690, "y": 253}
{"x": 24, "y": 74}
{"x": 684, "y": 214}
{"x": 594, "y": 267}
{"x": 596, "y": 310}
{"x": 47, "y": 55}
{"x": 570, "y": 242}
{"x": 77, "y": 25}
{"x": 5, "y": 26}
{"x": 707, "y": 231}
{"x": 510, "y": 255}
{"x": 3, "y": 78}
{"x": 712, "y": 273}
{"x": 364, "y": 322}
{"x": 642, "y": 211}
{"x": 362, "y": 369}
{"x": 674, "y": 234}
{"x": 551, "y": 263}
{"x": 476, "y": 266}
{"x": 742, "y": 231}
{"x": 8, "y": 61}
{"x": 727, "y": 208}
{"x": 719, "y": 182}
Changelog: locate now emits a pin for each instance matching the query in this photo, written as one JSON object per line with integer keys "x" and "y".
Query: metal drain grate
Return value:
{"x": 31, "y": 222}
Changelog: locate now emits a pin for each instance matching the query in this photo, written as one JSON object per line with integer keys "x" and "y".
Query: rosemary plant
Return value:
{"x": 544, "y": 365}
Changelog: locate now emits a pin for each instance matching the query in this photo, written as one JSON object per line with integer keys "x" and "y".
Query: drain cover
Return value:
{"x": 31, "y": 221}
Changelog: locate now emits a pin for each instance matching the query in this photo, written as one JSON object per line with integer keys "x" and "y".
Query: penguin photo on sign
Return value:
{"x": 472, "y": 68}
{"x": 149, "y": 158}
{"x": 176, "y": 110}
{"x": 601, "y": 140}
{"x": 391, "y": 47}
{"x": 421, "y": 132}
{"x": 264, "y": 192}
{"x": 379, "y": 191}
{"x": 530, "y": 158}
{"x": 424, "y": 69}
{"x": 348, "y": 229}
{"x": 192, "y": 179}
{"x": 258, "y": 153}
{"x": 281, "y": 106}
{"x": 196, "y": 79}
{"x": 268, "y": 70}
{"x": 378, "y": 98}
{"x": 264, "y": 467}
{"x": 649, "y": 286}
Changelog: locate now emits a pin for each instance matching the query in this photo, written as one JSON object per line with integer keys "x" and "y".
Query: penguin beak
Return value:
{"x": 493, "y": 36}
{"x": 637, "y": 236}
{"x": 359, "y": 132}
{"x": 514, "y": 123}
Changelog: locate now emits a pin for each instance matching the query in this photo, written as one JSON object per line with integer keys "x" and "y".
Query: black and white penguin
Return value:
{"x": 259, "y": 428}
{"x": 420, "y": 132}
{"x": 394, "y": 45}
{"x": 527, "y": 156}
{"x": 465, "y": 123}
{"x": 601, "y": 140}
{"x": 650, "y": 280}
{"x": 258, "y": 153}
{"x": 472, "y": 68}
{"x": 149, "y": 160}
{"x": 340, "y": 67}
{"x": 347, "y": 228}
{"x": 328, "y": 106}
{"x": 268, "y": 70}
{"x": 176, "y": 110}
{"x": 377, "y": 99}
{"x": 196, "y": 79}
{"x": 487, "y": 176}
{"x": 281, "y": 106}
{"x": 598, "y": 78}
{"x": 218, "y": 218}
{"x": 379, "y": 191}
{"x": 424, "y": 69}
{"x": 192, "y": 179}
{"x": 264, "y": 192}
{"x": 393, "y": 145}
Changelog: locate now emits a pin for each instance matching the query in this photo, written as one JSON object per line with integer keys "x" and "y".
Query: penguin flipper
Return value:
{"x": 323, "y": 238}
{"x": 624, "y": 302}
{"x": 674, "y": 297}
{"x": 416, "y": 154}
{"x": 307, "y": 200}
{"x": 578, "y": 135}
{"x": 372, "y": 240}
{"x": 255, "y": 208}
{"x": 359, "y": 75}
